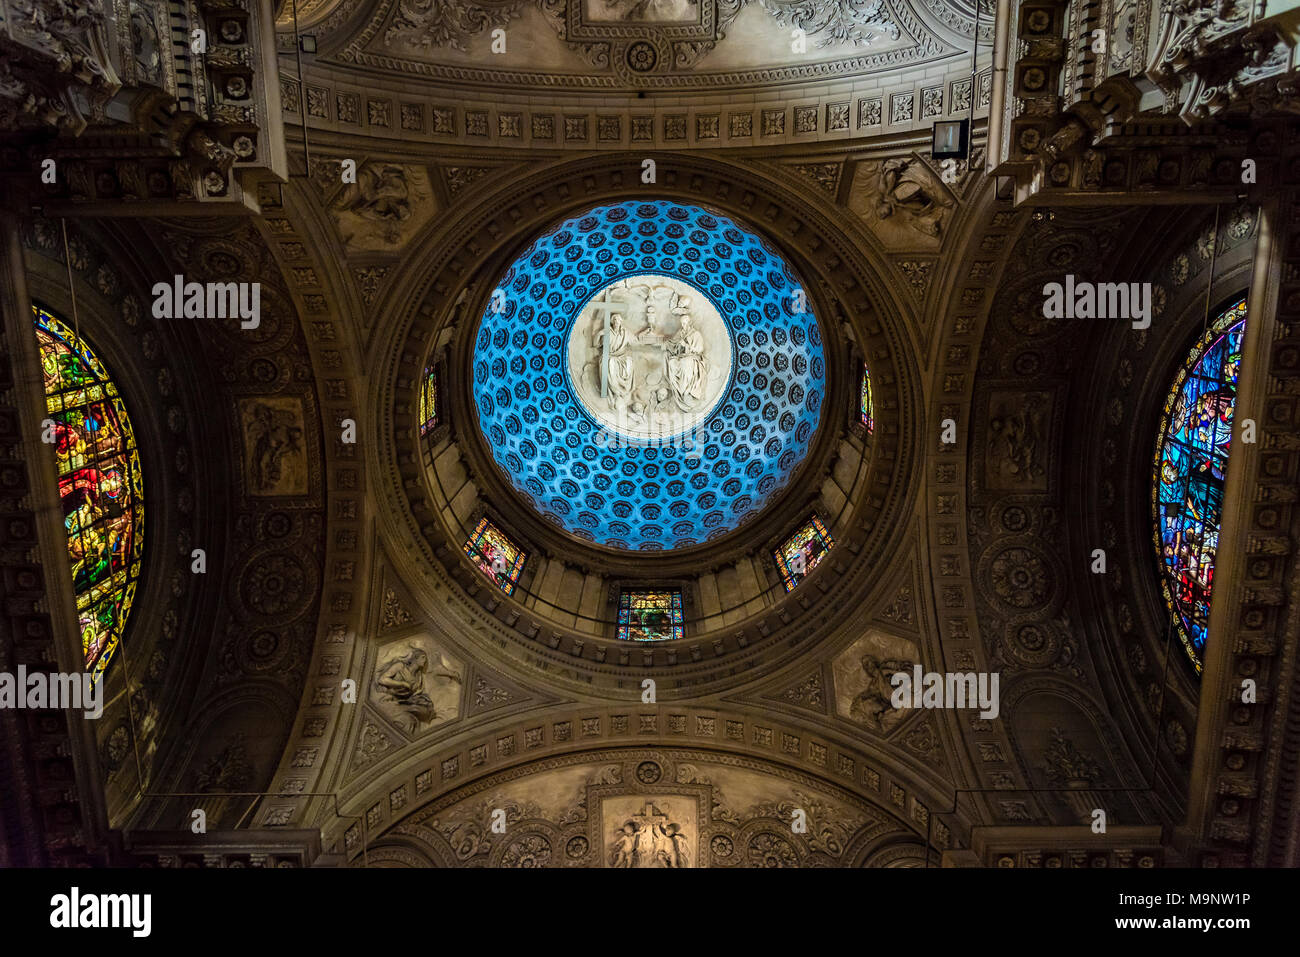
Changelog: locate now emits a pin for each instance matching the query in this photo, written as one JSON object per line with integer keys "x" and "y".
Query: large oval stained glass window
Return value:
{"x": 1190, "y": 465}
{"x": 100, "y": 485}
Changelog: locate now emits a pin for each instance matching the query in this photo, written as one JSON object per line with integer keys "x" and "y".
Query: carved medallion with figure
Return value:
{"x": 377, "y": 206}
{"x": 417, "y": 684}
{"x": 649, "y": 357}
{"x": 863, "y": 675}
{"x": 906, "y": 203}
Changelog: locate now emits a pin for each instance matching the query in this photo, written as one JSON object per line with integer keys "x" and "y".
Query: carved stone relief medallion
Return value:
{"x": 649, "y": 357}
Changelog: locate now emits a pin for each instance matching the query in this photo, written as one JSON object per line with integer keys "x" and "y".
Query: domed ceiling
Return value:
{"x": 649, "y": 375}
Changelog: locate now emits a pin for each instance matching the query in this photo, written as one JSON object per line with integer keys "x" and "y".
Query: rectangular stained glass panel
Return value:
{"x": 868, "y": 405}
{"x": 652, "y": 615}
{"x": 496, "y": 556}
{"x": 429, "y": 401}
{"x": 803, "y": 552}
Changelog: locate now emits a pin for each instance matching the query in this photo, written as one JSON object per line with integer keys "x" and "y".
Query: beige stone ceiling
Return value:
{"x": 708, "y": 49}
{"x": 570, "y": 43}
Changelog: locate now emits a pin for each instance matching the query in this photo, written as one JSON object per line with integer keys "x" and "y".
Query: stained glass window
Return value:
{"x": 429, "y": 401}
{"x": 650, "y": 615}
{"x": 868, "y": 406}
{"x": 499, "y": 558}
{"x": 803, "y": 552}
{"x": 1190, "y": 463}
{"x": 100, "y": 485}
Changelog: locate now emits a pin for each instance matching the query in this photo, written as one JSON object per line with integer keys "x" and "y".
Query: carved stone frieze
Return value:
{"x": 962, "y": 16}
{"x": 436, "y": 23}
{"x": 836, "y": 21}
{"x": 638, "y": 43}
{"x": 647, "y": 807}
{"x": 635, "y": 37}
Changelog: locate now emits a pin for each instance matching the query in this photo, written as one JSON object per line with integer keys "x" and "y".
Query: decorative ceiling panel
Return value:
{"x": 645, "y": 44}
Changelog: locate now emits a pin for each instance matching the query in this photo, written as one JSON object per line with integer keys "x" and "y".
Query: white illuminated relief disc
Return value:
{"x": 649, "y": 357}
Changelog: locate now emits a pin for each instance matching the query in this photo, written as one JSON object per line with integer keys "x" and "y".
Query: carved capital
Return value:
{"x": 1216, "y": 59}
{"x": 55, "y": 71}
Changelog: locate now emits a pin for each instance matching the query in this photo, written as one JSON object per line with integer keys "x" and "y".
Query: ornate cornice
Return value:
{"x": 56, "y": 72}
{"x": 188, "y": 122}
{"x": 595, "y": 45}
{"x": 1217, "y": 56}
{"x": 1069, "y": 121}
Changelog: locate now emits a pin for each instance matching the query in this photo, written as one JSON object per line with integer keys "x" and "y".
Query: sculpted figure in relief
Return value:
{"x": 873, "y": 706}
{"x": 649, "y": 839}
{"x": 649, "y": 358}
{"x": 688, "y": 368}
{"x": 908, "y": 188}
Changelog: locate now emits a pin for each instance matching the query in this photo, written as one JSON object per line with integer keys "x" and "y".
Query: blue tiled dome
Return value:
{"x": 649, "y": 495}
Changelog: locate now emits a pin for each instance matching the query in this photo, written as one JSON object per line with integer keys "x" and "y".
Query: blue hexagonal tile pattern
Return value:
{"x": 647, "y": 495}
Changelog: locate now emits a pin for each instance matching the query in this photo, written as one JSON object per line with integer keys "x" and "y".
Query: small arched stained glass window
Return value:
{"x": 1190, "y": 465}
{"x": 868, "y": 410}
{"x": 100, "y": 485}
{"x": 651, "y": 615}
{"x": 803, "y": 552}
{"x": 429, "y": 401}
{"x": 496, "y": 556}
